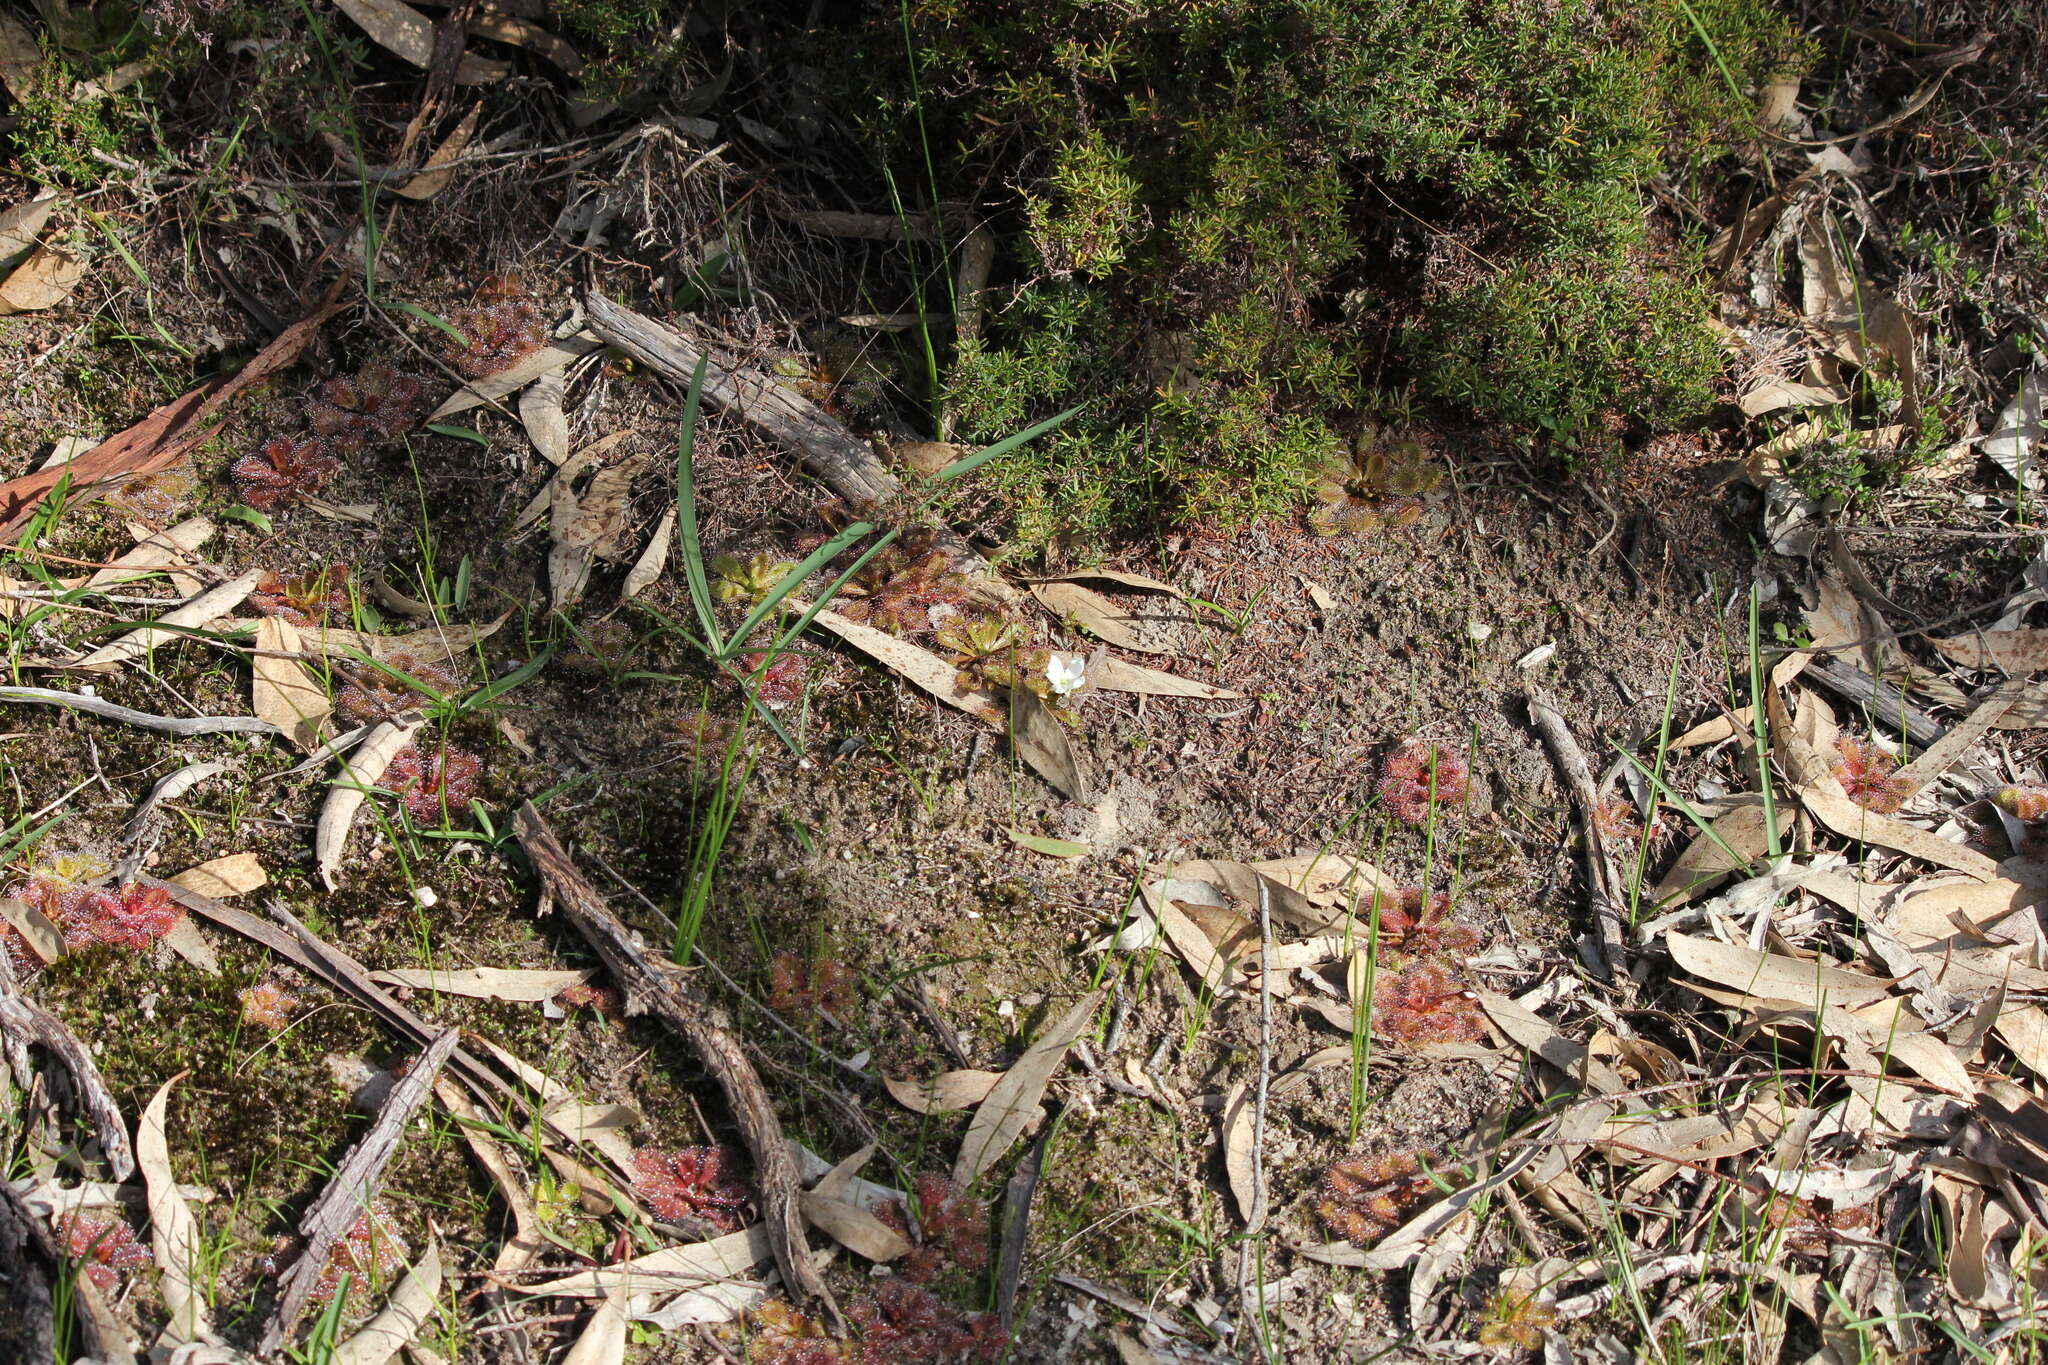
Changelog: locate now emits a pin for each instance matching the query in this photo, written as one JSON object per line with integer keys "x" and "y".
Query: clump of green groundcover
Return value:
{"x": 1236, "y": 218}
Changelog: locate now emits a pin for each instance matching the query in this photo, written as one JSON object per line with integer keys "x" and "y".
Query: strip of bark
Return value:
{"x": 1017, "y": 1193}
{"x": 1603, "y": 877}
{"x": 660, "y": 988}
{"x": 28, "y": 1270}
{"x": 168, "y": 434}
{"x": 24, "y": 1023}
{"x": 341, "y": 1203}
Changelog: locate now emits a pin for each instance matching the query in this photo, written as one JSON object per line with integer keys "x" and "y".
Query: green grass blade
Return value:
{"x": 967, "y": 464}
{"x": 794, "y": 579}
{"x": 490, "y": 692}
{"x": 431, "y": 319}
{"x": 686, "y": 515}
{"x": 437, "y": 697}
{"x": 19, "y": 843}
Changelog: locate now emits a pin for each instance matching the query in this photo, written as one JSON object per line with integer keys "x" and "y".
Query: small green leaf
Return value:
{"x": 436, "y": 320}
{"x": 259, "y": 520}
{"x": 461, "y": 433}
{"x": 1054, "y": 848}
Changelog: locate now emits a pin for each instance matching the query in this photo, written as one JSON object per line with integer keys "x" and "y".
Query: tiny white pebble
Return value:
{"x": 426, "y": 895}
{"x": 1006, "y": 1009}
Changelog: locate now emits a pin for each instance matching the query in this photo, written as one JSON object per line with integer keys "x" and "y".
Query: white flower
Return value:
{"x": 1066, "y": 673}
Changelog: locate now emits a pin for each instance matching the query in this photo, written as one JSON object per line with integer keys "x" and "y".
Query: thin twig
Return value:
{"x": 170, "y": 725}
{"x": 660, "y": 988}
{"x": 1603, "y": 879}
{"x": 1255, "y": 1217}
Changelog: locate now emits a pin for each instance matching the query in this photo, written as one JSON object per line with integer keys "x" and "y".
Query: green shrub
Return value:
{"x": 1239, "y": 215}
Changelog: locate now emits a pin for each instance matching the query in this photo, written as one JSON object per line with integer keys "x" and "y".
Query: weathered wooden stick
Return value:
{"x": 342, "y": 1202}
{"x": 662, "y": 989}
{"x": 182, "y": 726}
{"x": 1603, "y": 879}
{"x": 1887, "y": 705}
{"x": 838, "y": 457}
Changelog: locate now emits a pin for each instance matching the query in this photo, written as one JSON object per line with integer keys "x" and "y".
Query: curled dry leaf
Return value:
{"x": 1773, "y": 976}
{"x": 1244, "y": 882}
{"x": 586, "y": 526}
{"x": 919, "y": 667}
{"x": 195, "y": 613}
{"x": 439, "y": 168}
{"x": 1095, "y": 614}
{"x": 21, "y": 225}
{"x": 1778, "y": 394}
{"x": 1240, "y": 1157}
{"x": 175, "y": 1239}
{"x": 1328, "y": 878}
{"x": 1736, "y": 841}
{"x": 237, "y": 874}
{"x": 1111, "y": 674}
{"x": 518, "y": 32}
{"x": 854, "y": 1228}
{"x": 1688, "y": 1137}
{"x": 1537, "y": 1035}
{"x": 1852, "y": 821}
{"x": 844, "y": 1180}
{"x": 20, "y": 57}
{"x": 2024, "y": 1029}
{"x": 397, "y": 1325}
{"x": 1044, "y": 743}
{"x": 432, "y": 645}
{"x": 44, "y": 280}
{"x": 37, "y": 929}
{"x": 488, "y": 983}
{"x": 409, "y": 35}
{"x": 2015, "y": 442}
{"x": 540, "y": 412}
{"x": 170, "y": 549}
{"x": 601, "y": 1126}
{"x": 648, "y": 567}
{"x": 1999, "y": 651}
{"x": 943, "y": 1093}
{"x": 682, "y": 1267}
{"x": 1137, "y": 582}
{"x": 1013, "y": 1101}
{"x": 282, "y": 690}
{"x": 1325, "y": 604}
{"x": 1805, "y": 743}
{"x": 1167, "y": 900}
{"x": 1967, "y": 912}
{"x": 603, "y": 1339}
{"x": 359, "y": 773}
{"x": 495, "y": 388}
